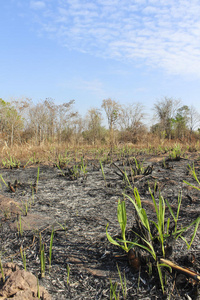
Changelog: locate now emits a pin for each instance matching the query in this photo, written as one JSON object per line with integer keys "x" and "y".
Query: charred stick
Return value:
{"x": 122, "y": 172}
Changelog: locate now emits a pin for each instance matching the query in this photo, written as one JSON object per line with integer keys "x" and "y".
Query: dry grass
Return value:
{"x": 49, "y": 152}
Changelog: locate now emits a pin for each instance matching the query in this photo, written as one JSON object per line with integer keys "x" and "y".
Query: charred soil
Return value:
{"x": 78, "y": 203}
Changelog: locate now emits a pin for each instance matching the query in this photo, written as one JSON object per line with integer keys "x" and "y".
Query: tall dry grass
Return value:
{"x": 49, "y": 152}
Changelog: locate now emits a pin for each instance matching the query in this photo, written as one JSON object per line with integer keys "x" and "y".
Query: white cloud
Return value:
{"x": 150, "y": 10}
{"x": 94, "y": 86}
{"x": 162, "y": 33}
{"x": 37, "y": 5}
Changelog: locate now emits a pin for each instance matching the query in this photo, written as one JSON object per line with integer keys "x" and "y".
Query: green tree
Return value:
{"x": 181, "y": 121}
{"x": 165, "y": 111}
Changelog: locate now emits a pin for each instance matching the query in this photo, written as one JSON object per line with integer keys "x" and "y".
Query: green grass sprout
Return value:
{"x": 50, "y": 248}
{"x": 23, "y": 256}
{"x": 2, "y": 272}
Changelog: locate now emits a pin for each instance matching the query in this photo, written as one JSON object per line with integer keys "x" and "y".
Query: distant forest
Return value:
{"x": 46, "y": 122}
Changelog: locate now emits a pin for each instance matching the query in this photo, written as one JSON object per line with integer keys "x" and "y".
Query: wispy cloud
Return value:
{"x": 37, "y": 5}
{"x": 159, "y": 33}
{"x": 94, "y": 86}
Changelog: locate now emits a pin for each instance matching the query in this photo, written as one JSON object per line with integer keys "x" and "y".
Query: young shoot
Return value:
{"x": 19, "y": 227}
{"x": 38, "y": 176}
{"x": 102, "y": 170}
{"x": 42, "y": 257}
{"x": 50, "y": 248}
{"x": 147, "y": 238}
{"x": 192, "y": 169}
{"x": 2, "y": 271}
{"x": 122, "y": 219}
{"x": 123, "y": 284}
{"x": 3, "y": 180}
{"x": 68, "y": 273}
{"x": 23, "y": 256}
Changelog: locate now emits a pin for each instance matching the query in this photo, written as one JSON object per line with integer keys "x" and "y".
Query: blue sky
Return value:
{"x": 128, "y": 50}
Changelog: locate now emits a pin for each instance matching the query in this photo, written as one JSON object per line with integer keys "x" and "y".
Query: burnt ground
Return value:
{"x": 79, "y": 210}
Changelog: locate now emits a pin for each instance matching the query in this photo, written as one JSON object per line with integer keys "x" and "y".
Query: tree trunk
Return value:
{"x": 12, "y": 135}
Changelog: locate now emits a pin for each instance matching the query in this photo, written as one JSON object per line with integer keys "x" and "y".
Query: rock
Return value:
{"x": 8, "y": 206}
{"x": 8, "y": 268}
{"x": 31, "y": 222}
{"x": 20, "y": 285}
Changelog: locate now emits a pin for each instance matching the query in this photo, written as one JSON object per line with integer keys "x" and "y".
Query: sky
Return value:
{"x": 88, "y": 50}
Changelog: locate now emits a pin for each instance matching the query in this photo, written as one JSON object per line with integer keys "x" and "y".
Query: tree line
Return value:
{"x": 22, "y": 121}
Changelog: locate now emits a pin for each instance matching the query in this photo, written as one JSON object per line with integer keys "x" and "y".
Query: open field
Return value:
{"x": 77, "y": 195}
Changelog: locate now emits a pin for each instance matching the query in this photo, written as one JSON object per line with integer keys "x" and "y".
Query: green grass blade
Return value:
{"x": 3, "y": 181}
{"x": 179, "y": 205}
{"x": 137, "y": 197}
{"x": 50, "y": 247}
{"x": 194, "y": 174}
{"x": 112, "y": 241}
{"x": 38, "y": 175}
{"x": 122, "y": 219}
{"x": 195, "y": 231}
{"x": 191, "y": 185}
{"x": 184, "y": 239}
{"x": 170, "y": 209}
{"x": 2, "y": 271}
{"x": 168, "y": 223}
{"x": 123, "y": 285}
{"x": 160, "y": 276}
{"x": 162, "y": 214}
{"x": 148, "y": 248}
{"x": 154, "y": 202}
{"x": 140, "y": 211}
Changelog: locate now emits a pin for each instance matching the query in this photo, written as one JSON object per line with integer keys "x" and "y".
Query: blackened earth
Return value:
{"x": 78, "y": 206}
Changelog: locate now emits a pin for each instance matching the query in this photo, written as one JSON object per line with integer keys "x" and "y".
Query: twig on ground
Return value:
{"x": 184, "y": 271}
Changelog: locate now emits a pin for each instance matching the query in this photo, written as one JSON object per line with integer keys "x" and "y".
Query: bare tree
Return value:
{"x": 112, "y": 109}
{"x": 193, "y": 119}
{"x": 131, "y": 116}
{"x": 51, "y": 122}
{"x": 11, "y": 122}
{"x": 65, "y": 119}
{"x": 77, "y": 129}
{"x": 131, "y": 122}
{"x": 94, "y": 128}
{"x": 50, "y": 109}
{"x": 38, "y": 122}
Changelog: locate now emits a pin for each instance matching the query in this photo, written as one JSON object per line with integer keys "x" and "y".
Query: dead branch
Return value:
{"x": 184, "y": 271}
